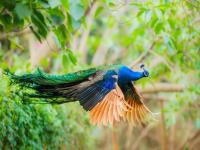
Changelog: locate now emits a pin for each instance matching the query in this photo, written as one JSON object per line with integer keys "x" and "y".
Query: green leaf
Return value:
{"x": 148, "y": 15}
{"x": 44, "y": 62}
{"x": 158, "y": 13}
{"x": 65, "y": 4}
{"x": 158, "y": 27}
{"x": 76, "y": 11}
{"x": 65, "y": 61}
{"x": 22, "y": 11}
{"x": 54, "y": 3}
{"x": 75, "y": 23}
{"x": 153, "y": 22}
{"x": 57, "y": 42}
{"x": 57, "y": 16}
{"x": 111, "y": 4}
{"x": 140, "y": 12}
{"x": 170, "y": 43}
{"x": 172, "y": 23}
{"x": 37, "y": 35}
{"x": 6, "y": 21}
{"x": 39, "y": 22}
{"x": 72, "y": 56}
{"x": 61, "y": 34}
{"x": 19, "y": 23}
{"x": 98, "y": 11}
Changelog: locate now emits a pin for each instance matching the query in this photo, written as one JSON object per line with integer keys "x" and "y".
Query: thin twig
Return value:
{"x": 84, "y": 37}
{"x": 88, "y": 10}
{"x": 166, "y": 62}
{"x": 145, "y": 131}
{"x": 2, "y": 10}
{"x": 162, "y": 87}
{"x": 143, "y": 56}
{"x": 164, "y": 142}
{"x": 189, "y": 140}
{"x": 114, "y": 138}
{"x": 13, "y": 34}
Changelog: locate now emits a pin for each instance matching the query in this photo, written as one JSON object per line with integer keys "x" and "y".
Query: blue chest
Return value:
{"x": 126, "y": 75}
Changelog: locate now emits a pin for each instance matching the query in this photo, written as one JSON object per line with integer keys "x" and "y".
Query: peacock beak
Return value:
{"x": 145, "y": 72}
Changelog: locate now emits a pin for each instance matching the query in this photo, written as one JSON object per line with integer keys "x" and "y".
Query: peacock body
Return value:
{"x": 107, "y": 92}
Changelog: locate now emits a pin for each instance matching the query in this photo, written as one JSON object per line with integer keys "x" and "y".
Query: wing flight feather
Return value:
{"x": 111, "y": 108}
{"x": 138, "y": 113}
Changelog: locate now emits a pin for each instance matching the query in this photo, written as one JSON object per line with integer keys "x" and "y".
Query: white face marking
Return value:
{"x": 115, "y": 76}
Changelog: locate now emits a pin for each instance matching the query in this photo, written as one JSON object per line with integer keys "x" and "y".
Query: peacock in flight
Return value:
{"x": 108, "y": 92}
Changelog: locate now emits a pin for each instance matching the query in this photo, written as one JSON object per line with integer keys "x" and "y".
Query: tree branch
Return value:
{"x": 190, "y": 140}
{"x": 143, "y": 56}
{"x": 163, "y": 133}
{"x": 88, "y": 10}
{"x": 145, "y": 131}
{"x": 83, "y": 41}
{"x": 162, "y": 87}
{"x": 13, "y": 34}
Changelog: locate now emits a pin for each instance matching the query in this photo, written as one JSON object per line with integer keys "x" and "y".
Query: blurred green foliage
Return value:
{"x": 116, "y": 32}
{"x": 40, "y": 126}
{"x": 62, "y": 17}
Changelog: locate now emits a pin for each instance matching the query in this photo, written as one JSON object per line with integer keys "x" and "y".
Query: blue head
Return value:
{"x": 127, "y": 75}
{"x": 145, "y": 72}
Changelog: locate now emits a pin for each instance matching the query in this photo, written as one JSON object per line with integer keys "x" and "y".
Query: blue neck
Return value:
{"x": 136, "y": 76}
{"x": 127, "y": 75}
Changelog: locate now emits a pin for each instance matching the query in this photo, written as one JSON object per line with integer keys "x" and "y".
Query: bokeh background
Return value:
{"x": 62, "y": 36}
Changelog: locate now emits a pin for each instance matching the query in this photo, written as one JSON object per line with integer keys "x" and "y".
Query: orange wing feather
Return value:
{"x": 110, "y": 109}
{"x": 138, "y": 112}
{"x": 114, "y": 107}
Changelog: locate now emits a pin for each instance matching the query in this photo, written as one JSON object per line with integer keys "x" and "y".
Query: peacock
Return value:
{"x": 108, "y": 93}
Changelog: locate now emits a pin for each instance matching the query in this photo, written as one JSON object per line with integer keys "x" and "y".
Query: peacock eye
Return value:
{"x": 142, "y": 66}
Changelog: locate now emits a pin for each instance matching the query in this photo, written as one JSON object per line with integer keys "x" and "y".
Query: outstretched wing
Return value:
{"x": 88, "y": 86}
{"x": 96, "y": 90}
{"x": 111, "y": 109}
{"x": 137, "y": 112}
